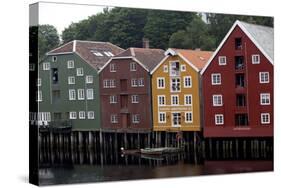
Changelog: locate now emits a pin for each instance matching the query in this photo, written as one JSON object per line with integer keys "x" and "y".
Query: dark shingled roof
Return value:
{"x": 86, "y": 50}
{"x": 150, "y": 58}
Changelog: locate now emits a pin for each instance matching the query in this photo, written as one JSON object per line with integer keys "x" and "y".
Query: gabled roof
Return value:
{"x": 261, "y": 36}
{"x": 148, "y": 58}
{"x": 197, "y": 59}
{"x": 86, "y": 50}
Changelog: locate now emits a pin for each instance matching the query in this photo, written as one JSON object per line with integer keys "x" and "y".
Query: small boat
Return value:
{"x": 160, "y": 151}
{"x": 129, "y": 151}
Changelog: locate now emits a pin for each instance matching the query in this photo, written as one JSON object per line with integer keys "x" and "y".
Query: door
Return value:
{"x": 123, "y": 85}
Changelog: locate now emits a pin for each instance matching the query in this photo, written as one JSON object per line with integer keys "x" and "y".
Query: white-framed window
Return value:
{"x": 39, "y": 82}
{"x": 135, "y": 98}
{"x": 112, "y": 99}
{"x": 90, "y": 94}
{"x": 264, "y": 77}
{"x": 188, "y": 100}
{"x": 81, "y": 94}
{"x": 109, "y": 83}
{"x": 113, "y": 118}
{"x": 82, "y": 115}
{"x": 161, "y": 100}
{"x": 135, "y": 118}
{"x": 72, "y": 115}
{"x": 134, "y": 82}
{"x": 175, "y": 84}
{"x": 187, "y": 82}
{"x": 141, "y": 82}
{"x": 165, "y": 68}
{"x": 217, "y": 100}
{"x": 176, "y": 119}
{"x": 222, "y": 60}
{"x": 183, "y": 68}
{"x": 71, "y": 94}
{"x": 160, "y": 83}
{"x": 70, "y": 64}
{"x": 54, "y": 58}
{"x": 91, "y": 115}
{"x": 71, "y": 80}
{"x": 39, "y": 96}
{"x": 79, "y": 72}
{"x": 161, "y": 117}
{"x": 174, "y": 100}
{"x": 174, "y": 68}
{"x": 265, "y": 118}
{"x": 265, "y": 98}
{"x": 216, "y": 79}
{"x": 105, "y": 83}
{"x": 46, "y": 66}
{"x": 42, "y": 116}
{"x": 89, "y": 79}
{"x": 188, "y": 117}
{"x": 112, "y": 67}
{"x": 133, "y": 66}
{"x": 256, "y": 59}
{"x": 219, "y": 119}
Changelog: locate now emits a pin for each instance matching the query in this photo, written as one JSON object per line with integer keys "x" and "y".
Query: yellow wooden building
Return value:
{"x": 175, "y": 90}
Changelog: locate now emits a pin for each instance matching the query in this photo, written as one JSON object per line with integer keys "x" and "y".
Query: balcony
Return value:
{"x": 56, "y": 126}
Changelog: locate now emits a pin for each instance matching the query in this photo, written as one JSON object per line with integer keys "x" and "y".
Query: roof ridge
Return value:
{"x": 258, "y": 25}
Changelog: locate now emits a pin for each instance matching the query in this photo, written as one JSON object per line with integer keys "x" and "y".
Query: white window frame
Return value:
{"x": 186, "y": 115}
{"x": 54, "y": 58}
{"x": 171, "y": 85}
{"x": 262, "y": 75}
{"x": 71, "y": 80}
{"x": 222, "y": 60}
{"x": 159, "y": 117}
{"x": 165, "y": 68}
{"x": 158, "y": 100}
{"x": 141, "y": 82}
{"x": 46, "y": 66}
{"x": 217, "y": 116}
{"x": 134, "y": 82}
{"x": 262, "y": 119}
{"x": 81, "y": 94}
{"x": 112, "y": 99}
{"x": 172, "y": 101}
{"x": 70, "y": 64}
{"x": 158, "y": 81}
{"x": 89, "y": 79}
{"x": 215, "y": 80}
{"x": 254, "y": 56}
{"x": 79, "y": 71}
{"x": 266, "y": 95}
{"x": 214, "y": 101}
{"x": 184, "y": 83}
{"x": 183, "y": 68}
{"x": 82, "y": 115}
{"x": 112, "y": 67}
{"x": 39, "y": 82}
{"x": 72, "y": 115}
{"x": 70, "y": 96}
{"x": 90, "y": 94}
{"x": 172, "y": 119}
{"x": 135, "y": 98}
{"x": 136, "y": 118}
{"x": 113, "y": 118}
{"x": 133, "y": 66}
{"x": 105, "y": 83}
{"x": 186, "y": 101}
{"x": 91, "y": 114}
{"x": 172, "y": 72}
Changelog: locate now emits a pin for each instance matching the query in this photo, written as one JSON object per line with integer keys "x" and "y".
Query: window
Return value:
{"x": 39, "y": 96}
{"x": 219, "y": 119}
{"x": 72, "y": 94}
{"x": 187, "y": 83}
{"x": 109, "y": 83}
{"x": 183, "y": 68}
{"x": 112, "y": 99}
{"x": 174, "y": 68}
{"x": 46, "y": 66}
{"x": 134, "y": 82}
{"x": 176, "y": 119}
{"x": 71, "y": 80}
{"x": 241, "y": 119}
{"x": 135, "y": 99}
{"x": 82, "y": 115}
{"x": 264, "y": 77}
{"x": 54, "y": 58}
{"x": 188, "y": 117}
{"x": 216, "y": 79}
{"x": 39, "y": 81}
{"x": 141, "y": 82}
{"x": 217, "y": 100}
{"x": 160, "y": 83}
{"x": 162, "y": 117}
{"x": 90, "y": 94}
{"x": 240, "y": 100}
{"x": 114, "y": 118}
{"x": 255, "y": 59}
{"x": 112, "y": 83}
{"x": 81, "y": 95}
{"x": 70, "y": 64}
{"x": 43, "y": 116}
{"x": 79, "y": 72}
{"x": 133, "y": 66}
{"x": 188, "y": 100}
{"x": 165, "y": 68}
{"x": 91, "y": 115}
{"x": 222, "y": 60}
{"x": 265, "y": 118}
{"x": 89, "y": 79}
{"x": 265, "y": 99}
{"x": 55, "y": 75}
{"x": 72, "y": 115}
{"x": 175, "y": 84}
{"x": 238, "y": 43}
{"x": 175, "y": 99}
{"x": 239, "y": 62}
{"x": 161, "y": 100}
{"x": 96, "y": 53}
{"x": 135, "y": 118}
{"x": 109, "y": 54}
{"x": 239, "y": 80}
{"x": 112, "y": 67}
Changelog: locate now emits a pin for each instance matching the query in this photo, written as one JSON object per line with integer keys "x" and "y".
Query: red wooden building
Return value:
{"x": 237, "y": 84}
{"x": 125, "y": 90}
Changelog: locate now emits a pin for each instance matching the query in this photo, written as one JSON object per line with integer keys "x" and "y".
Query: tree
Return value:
{"x": 48, "y": 38}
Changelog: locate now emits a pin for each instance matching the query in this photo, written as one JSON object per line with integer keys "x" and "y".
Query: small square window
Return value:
{"x": 162, "y": 117}
{"x": 219, "y": 120}
{"x": 89, "y": 79}
{"x": 91, "y": 115}
{"x": 70, "y": 64}
{"x": 113, "y": 99}
{"x": 82, "y": 115}
{"x": 222, "y": 60}
{"x": 90, "y": 94}
{"x": 135, "y": 118}
{"x": 217, "y": 100}
{"x": 161, "y": 83}
{"x": 256, "y": 59}
{"x": 174, "y": 100}
{"x": 264, "y": 77}
{"x": 265, "y": 118}
{"x": 113, "y": 118}
{"x": 79, "y": 72}
{"x": 134, "y": 82}
{"x": 265, "y": 99}
{"x": 216, "y": 79}
{"x": 187, "y": 82}
{"x": 71, "y": 80}
{"x": 72, "y": 115}
{"x": 46, "y": 66}
{"x": 135, "y": 99}
{"x": 141, "y": 82}
{"x": 188, "y": 117}
{"x": 133, "y": 66}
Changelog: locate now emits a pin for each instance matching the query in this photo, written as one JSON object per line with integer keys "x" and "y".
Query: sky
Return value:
{"x": 62, "y": 15}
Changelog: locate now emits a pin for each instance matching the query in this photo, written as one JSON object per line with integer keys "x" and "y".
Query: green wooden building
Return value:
{"x": 68, "y": 85}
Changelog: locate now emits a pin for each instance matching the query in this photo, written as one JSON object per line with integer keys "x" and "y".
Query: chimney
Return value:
{"x": 145, "y": 43}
